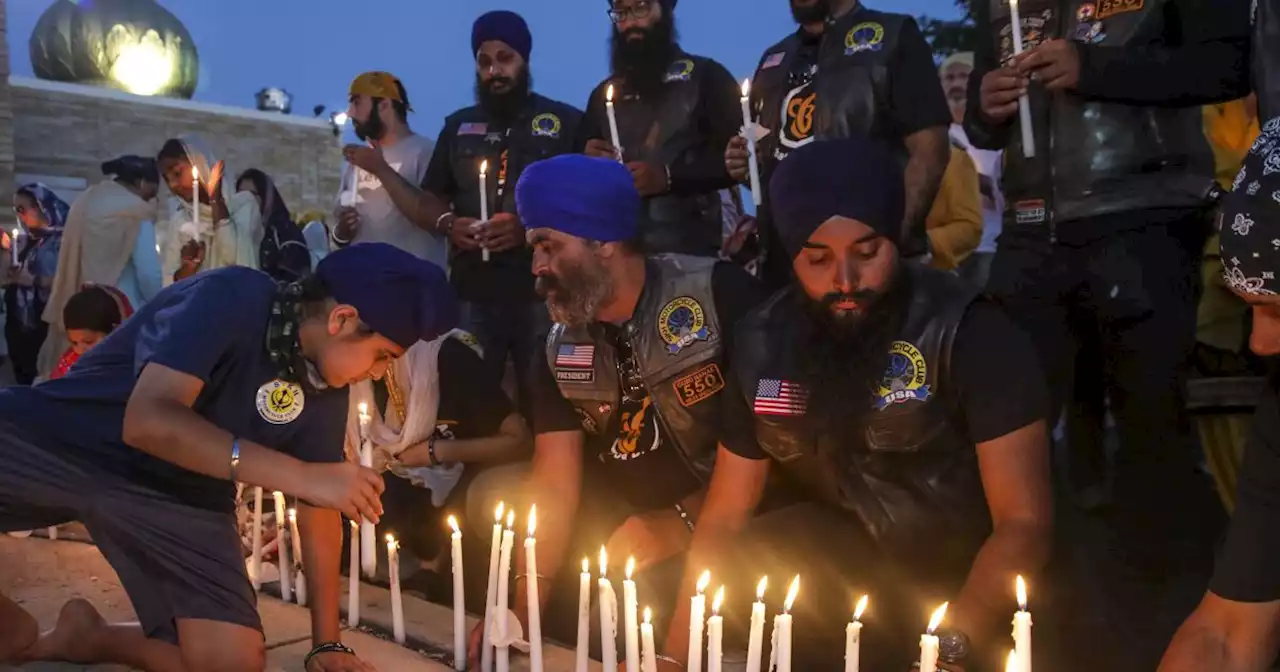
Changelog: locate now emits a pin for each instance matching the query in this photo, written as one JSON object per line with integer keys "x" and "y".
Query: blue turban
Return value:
{"x": 503, "y": 26}
{"x": 582, "y": 196}
{"x": 853, "y": 177}
{"x": 398, "y": 295}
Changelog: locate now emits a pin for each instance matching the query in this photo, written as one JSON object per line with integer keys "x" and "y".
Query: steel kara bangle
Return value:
{"x": 235, "y": 459}
{"x": 327, "y": 647}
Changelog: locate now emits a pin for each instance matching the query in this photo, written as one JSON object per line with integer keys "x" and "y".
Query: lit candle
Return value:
{"x": 853, "y": 637}
{"x": 782, "y": 626}
{"x": 715, "y": 634}
{"x": 613, "y": 122}
{"x": 282, "y": 551}
{"x": 368, "y": 546}
{"x": 1022, "y": 628}
{"x": 501, "y": 608}
{"x": 459, "y": 600}
{"x": 649, "y": 660}
{"x": 584, "y": 618}
{"x": 531, "y": 581}
{"x": 13, "y": 246}
{"x": 299, "y": 588}
{"x": 608, "y": 618}
{"x": 255, "y": 565}
{"x": 1011, "y": 664}
{"x": 1024, "y": 103}
{"x": 397, "y": 606}
{"x": 630, "y": 614}
{"x": 491, "y": 597}
{"x": 195, "y": 197}
{"x": 484, "y": 201}
{"x": 929, "y": 641}
{"x": 353, "y": 579}
{"x": 697, "y": 611}
{"x": 755, "y": 640}
{"x": 749, "y": 127}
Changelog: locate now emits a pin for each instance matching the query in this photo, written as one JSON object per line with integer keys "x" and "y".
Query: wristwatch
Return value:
{"x": 953, "y": 645}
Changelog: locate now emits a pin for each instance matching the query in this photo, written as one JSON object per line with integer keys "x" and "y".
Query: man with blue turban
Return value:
{"x": 627, "y": 397}
{"x": 222, "y": 378}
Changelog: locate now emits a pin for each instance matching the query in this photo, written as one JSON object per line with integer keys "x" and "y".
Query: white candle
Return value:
{"x": 295, "y": 537}
{"x": 1022, "y": 628}
{"x": 368, "y": 545}
{"x": 853, "y": 637}
{"x": 1011, "y": 664}
{"x": 649, "y": 659}
{"x": 608, "y": 618}
{"x": 52, "y": 532}
{"x": 502, "y": 607}
{"x": 1024, "y": 103}
{"x": 584, "y": 618}
{"x": 13, "y": 246}
{"x": 282, "y": 551}
{"x": 613, "y": 122}
{"x": 531, "y": 583}
{"x": 397, "y": 605}
{"x": 929, "y": 641}
{"x": 749, "y": 127}
{"x": 782, "y": 625}
{"x": 353, "y": 579}
{"x": 484, "y": 201}
{"x": 195, "y": 197}
{"x": 715, "y": 634}
{"x": 491, "y": 597}
{"x": 755, "y": 640}
{"x": 300, "y": 588}
{"x": 255, "y": 564}
{"x": 630, "y": 618}
{"x": 459, "y": 600}
{"x": 697, "y": 612}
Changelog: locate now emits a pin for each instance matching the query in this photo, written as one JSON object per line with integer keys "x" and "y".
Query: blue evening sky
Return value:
{"x": 314, "y": 48}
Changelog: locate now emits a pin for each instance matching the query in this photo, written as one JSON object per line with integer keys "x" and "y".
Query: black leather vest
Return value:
{"x": 1266, "y": 57}
{"x": 677, "y": 341}
{"x": 1095, "y": 158}
{"x": 913, "y": 479}
{"x": 666, "y": 132}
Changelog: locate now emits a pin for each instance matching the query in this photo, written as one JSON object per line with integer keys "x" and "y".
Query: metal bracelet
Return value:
{"x": 327, "y": 647}
{"x": 684, "y": 516}
{"x": 446, "y": 230}
{"x": 235, "y": 458}
{"x": 333, "y": 235}
{"x": 431, "y": 451}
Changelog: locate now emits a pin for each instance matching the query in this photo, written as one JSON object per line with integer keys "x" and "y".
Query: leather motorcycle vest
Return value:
{"x": 677, "y": 344}
{"x": 1095, "y": 158}
{"x": 665, "y": 132}
{"x": 1266, "y": 58}
{"x": 912, "y": 478}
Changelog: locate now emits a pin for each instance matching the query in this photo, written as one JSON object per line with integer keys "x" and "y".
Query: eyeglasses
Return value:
{"x": 638, "y": 11}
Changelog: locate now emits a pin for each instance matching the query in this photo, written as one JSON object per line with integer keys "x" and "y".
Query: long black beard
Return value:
{"x": 504, "y": 108}
{"x": 815, "y": 13}
{"x": 844, "y": 358}
{"x": 371, "y": 128}
{"x": 643, "y": 63}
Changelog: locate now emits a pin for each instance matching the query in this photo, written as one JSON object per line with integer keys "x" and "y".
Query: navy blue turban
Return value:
{"x": 582, "y": 196}
{"x": 503, "y": 26}
{"x": 854, "y": 177}
{"x": 398, "y": 295}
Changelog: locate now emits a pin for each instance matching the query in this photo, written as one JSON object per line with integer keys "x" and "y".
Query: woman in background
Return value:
{"x": 42, "y": 216}
{"x": 283, "y": 253}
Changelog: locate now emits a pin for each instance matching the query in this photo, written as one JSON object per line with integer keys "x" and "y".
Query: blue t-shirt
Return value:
{"x": 212, "y": 326}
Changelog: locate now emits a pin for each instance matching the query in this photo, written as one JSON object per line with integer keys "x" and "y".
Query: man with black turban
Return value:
{"x": 909, "y": 411}
{"x": 222, "y": 378}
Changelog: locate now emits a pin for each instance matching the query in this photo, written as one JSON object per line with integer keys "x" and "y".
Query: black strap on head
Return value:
{"x": 282, "y": 335}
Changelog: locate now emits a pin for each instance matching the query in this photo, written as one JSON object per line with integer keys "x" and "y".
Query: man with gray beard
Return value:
{"x": 627, "y": 402}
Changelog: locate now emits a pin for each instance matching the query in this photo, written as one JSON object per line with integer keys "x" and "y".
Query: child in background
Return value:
{"x": 90, "y": 314}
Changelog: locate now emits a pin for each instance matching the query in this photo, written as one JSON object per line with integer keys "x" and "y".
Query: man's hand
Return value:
{"x": 601, "y": 149}
{"x": 650, "y": 538}
{"x": 348, "y": 223}
{"x": 737, "y": 159}
{"x": 337, "y": 661}
{"x": 366, "y": 158}
{"x": 650, "y": 179}
{"x": 354, "y": 490}
{"x": 999, "y": 94}
{"x": 503, "y": 232}
{"x": 463, "y": 235}
{"x": 1056, "y": 63}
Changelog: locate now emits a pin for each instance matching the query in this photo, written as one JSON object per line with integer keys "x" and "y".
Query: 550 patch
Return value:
{"x": 700, "y": 385}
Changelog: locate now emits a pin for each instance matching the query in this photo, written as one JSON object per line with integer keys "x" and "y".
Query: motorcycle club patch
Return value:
{"x": 700, "y": 385}
{"x": 681, "y": 323}
{"x": 280, "y": 402}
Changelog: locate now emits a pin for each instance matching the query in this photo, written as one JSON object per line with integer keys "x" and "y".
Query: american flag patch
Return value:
{"x": 477, "y": 128}
{"x": 773, "y": 60}
{"x": 576, "y": 356}
{"x": 780, "y": 397}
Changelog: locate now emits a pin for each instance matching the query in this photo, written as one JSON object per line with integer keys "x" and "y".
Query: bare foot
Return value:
{"x": 72, "y": 639}
{"x": 18, "y": 632}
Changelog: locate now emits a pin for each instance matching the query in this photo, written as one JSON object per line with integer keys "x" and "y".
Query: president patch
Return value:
{"x": 700, "y": 385}
{"x": 575, "y": 375}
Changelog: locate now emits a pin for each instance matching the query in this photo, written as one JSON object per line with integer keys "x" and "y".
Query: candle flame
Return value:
{"x": 391, "y": 542}
{"x": 648, "y": 616}
{"x": 354, "y": 525}
{"x": 363, "y": 408}
{"x": 195, "y": 174}
{"x": 608, "y": 94}
{"x": 631, "y": 567}
{"x": 511, "y": 518}
{"x": 938, "y": 614}
{"x": 586, "y": 565}
{"x": 764, "y": 583}
{"x": 791, "y": 594}
{"x": 484, "y": 166}
{"x": 746, "y": 88}
{"x": 704, "y": 581}
{"x": 497, "y": 513}
{"x": 533, "y": 519}
{"x": 1012, "y": 664}
{"x": 717, "y": 601}
{"x": 1021, "y": 589}
{"x": 860, "y": 609}
{"x": 604, "y": 562}
{"x": 453, "y": 523}
{"x": 293, "y": 515}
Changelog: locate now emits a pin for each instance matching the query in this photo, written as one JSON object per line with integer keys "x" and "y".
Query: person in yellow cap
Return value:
{"x": 366, "y": 212}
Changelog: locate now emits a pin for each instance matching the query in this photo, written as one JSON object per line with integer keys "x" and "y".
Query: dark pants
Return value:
{"x": 509, "y": 329}
{"x": 24, "y": 343}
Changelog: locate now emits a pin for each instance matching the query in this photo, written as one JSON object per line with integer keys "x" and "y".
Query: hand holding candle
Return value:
{"x": 749, "y": 129}
{"x": 1024, "y": 102}
{"x": 697, "y": 611}
{"x": 715, "y": 635}
{"x": 853, "y": 637}
{"x": 929, "y": 641}
{"x": 484, "y": 202}
{"x": 368, "y": 547}
{"x": 531, "y": 582}
{"x": 613, "y": 122}
{"x": 1022, "y": 628}
{"x": 459, "y": 598}
{"x": 755, "y": 638}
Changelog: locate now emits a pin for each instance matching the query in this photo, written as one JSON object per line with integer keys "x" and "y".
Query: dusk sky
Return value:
{"x": 314, "y": 48}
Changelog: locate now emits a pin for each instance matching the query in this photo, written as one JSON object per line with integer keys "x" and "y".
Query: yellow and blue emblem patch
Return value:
{"x": 546, "y": 125}
{"x": 904, "y": 378}
{"x": 680, "y": 71}
{"x": 866, "y": 36}
{"x": 280, "y": 402}
{"x": 681, "y": 323}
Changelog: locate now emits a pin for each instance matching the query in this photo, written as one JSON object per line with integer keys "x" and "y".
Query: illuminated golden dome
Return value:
{"x": 132, "y": 45}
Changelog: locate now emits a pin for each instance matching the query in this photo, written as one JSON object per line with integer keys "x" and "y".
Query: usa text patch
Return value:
{"x": 699, "y": 385}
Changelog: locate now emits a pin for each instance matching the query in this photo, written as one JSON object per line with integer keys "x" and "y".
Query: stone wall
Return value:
{"x": 6, "y": 125}
{"x": 66, "y": 131}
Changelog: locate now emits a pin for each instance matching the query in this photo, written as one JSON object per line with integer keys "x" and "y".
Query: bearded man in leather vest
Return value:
{"x": 849, "y": 70}
{"x": 675, "y": 112}
{"x": 627, "y": 399}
